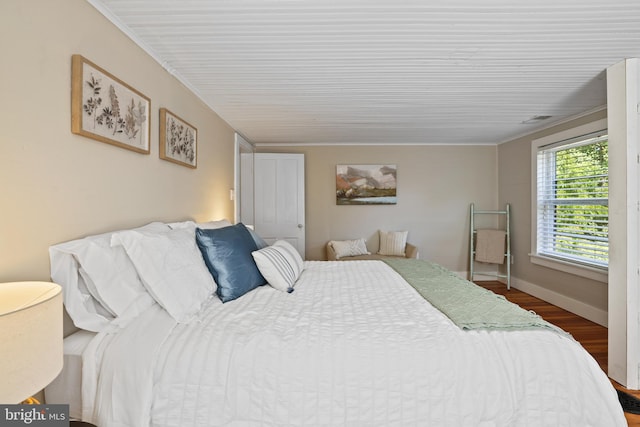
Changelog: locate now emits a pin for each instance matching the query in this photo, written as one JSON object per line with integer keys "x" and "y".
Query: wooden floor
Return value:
{"x": 592, "y": 336}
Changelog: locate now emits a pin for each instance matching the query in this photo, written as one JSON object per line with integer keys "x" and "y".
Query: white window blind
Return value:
{"x": 572, "y": 200}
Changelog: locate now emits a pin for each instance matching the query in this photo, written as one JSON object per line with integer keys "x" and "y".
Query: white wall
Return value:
{"x": 623, "y": 97}
{"x": 244, "y": 181}
{"x": 582, "y": 296}
{"x": 436, "y": 184}
{"x": 57, "y": 186}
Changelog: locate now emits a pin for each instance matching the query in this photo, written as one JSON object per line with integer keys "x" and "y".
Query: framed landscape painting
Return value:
{"x": 366, "y": 185}
{"x": 107, "y": 109}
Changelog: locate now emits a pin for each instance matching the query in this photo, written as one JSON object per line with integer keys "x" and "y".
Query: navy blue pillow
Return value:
{"x": 227, "y": 254}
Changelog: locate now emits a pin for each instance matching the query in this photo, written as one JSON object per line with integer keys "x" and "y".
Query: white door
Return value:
{"x": 279, "y": 198}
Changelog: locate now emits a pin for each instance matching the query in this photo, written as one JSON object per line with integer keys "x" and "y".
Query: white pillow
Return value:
{"x": 278, "y": 264}
{"x": 93, "y": 290}
{"x": 344, "y": 248}
{"x": 110, "y": 275}
{"x": 99, "y": 282}
{"x": 85, "y": 311}
{"x": 393, "y": 243}
{"x": 171, "y": 268}
{"x": 204, "y": 225}
{"x": 212, "y": 225}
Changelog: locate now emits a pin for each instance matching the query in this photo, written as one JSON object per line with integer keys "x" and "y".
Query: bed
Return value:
{"x": 323, "y": 343}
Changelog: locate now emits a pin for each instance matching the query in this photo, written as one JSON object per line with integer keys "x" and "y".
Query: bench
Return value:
{"x": 410, "y": 251}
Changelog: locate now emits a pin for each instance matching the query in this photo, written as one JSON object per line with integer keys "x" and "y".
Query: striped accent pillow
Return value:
{"x": 293, "y": 253}
{"x": 393, "y": 243}
{"x": 280, "y": 264}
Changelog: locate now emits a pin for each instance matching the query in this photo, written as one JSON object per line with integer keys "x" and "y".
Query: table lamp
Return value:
{"x": 31, "y": 352}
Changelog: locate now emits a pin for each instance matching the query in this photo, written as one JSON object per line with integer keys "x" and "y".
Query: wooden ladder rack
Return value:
{"x": 472, "y": 242}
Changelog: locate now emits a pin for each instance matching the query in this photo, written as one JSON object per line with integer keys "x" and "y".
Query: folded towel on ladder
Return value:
{"x": 490, "y": 246}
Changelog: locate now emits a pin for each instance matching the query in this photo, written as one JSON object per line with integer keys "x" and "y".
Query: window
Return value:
{"x": 571, "y": 200}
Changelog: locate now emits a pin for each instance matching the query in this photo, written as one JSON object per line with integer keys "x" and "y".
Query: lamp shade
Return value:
{"x": 31, "y": 351}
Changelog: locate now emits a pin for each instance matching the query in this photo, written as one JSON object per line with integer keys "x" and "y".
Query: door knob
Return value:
{"x": 300, "y": 226}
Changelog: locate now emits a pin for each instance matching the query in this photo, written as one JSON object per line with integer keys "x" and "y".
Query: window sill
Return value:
{"x": 593, "y": 273}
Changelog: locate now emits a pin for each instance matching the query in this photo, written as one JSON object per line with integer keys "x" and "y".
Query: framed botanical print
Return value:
{"x": 106, "y": 109}
{"x": 178, "y": 140}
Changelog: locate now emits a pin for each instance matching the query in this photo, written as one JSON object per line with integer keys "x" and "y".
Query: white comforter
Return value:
{"x": 354, "y": 345}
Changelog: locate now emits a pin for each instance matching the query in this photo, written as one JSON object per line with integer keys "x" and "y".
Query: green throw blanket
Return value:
{"x": 469, "y": 306}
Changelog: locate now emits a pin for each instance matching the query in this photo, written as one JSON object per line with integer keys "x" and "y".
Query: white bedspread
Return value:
{"x": 354, "y": 345}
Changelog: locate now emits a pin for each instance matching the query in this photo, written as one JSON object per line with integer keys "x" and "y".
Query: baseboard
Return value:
{"x": 587, "y": 311}
{"x": 463, "y": 274}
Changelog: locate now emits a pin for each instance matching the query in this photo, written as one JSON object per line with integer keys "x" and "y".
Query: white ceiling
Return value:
{"x": 386, "y": 71}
